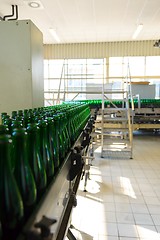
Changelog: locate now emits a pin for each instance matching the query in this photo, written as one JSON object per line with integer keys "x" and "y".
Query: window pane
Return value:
{"x": 54, "y": 84}
{"x": 75, "y": 75}
{"x": 94, "y": 61}
{"x": 76, "y": 61}
{"x": 46, "y": 82}
{"x": 134, "y": 66}
{"x": 115, "y": 66}
{"x": 55, "y": 68}
{"x": 153, "y": 66}
{"x": 46, "y": 68}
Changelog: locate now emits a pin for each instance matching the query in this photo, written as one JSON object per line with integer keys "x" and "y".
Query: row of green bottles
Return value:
{"x": 150, "y": 103}
{"x": 21, "y": 180}
{"x": 33, "y": 145}
{"x": 98, "y": 103}
{"x": 144, "y": 103}
{"x": 68, "y": 130}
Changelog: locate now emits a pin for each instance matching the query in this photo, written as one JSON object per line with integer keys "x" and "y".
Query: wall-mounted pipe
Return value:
{"x": 9, "y": 17}
{"x": 16, "y": 17}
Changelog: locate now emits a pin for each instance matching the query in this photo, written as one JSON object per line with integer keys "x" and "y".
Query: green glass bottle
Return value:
{"x": 67, "y": 131}
{"x": 63, "y": 133}
{"x": 14, "y": 114}
{"x": 7, "y": 122}
{"x": 35, "y": 158}
{"x": 72, "y": 126}
{"x": 66, "y": 124}
{"x": 4, "y": 116}
{"x": 69, "y": 126}
{"x": 22, "y": 171}
{"x": 1, "y": 231}
{"x": 20, "y": 112}
{"x": 45, "y": 150}
{"x": 5, "y": 130}
{"x": 59, "y": 140}
{"x": 53, "y": 142}
{"x": 11, "y": 205}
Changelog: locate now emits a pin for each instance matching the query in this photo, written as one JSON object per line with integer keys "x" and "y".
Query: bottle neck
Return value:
{"x": 33, "y": 139}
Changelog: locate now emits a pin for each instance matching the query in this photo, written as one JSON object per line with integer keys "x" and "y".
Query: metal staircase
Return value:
{"x": 116, "y": 121}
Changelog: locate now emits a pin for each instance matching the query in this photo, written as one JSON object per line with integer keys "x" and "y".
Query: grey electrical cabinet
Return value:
{"x": 144, "y": 91}
{"x": 21, "y": 66}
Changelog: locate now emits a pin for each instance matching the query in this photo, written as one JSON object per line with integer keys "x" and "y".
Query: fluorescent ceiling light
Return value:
{"x": 138, "y": 30}
{"x": 54, "y": 34}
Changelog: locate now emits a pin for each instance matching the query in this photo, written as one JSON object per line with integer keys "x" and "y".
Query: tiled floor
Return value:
{"x": 122, "y": 201}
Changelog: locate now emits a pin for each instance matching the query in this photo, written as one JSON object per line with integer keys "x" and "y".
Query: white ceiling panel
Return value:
{"x": 90, "y": 20}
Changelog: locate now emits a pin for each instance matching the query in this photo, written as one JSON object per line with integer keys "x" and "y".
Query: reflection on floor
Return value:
{"x": 122, "y": 201}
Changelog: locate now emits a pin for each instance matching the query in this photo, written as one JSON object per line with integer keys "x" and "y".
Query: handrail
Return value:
{"x": 130, "y": 118}
{"x": 130, "y": 92}
{"x": 130, "y": 125}
{"x": 58, "y": 97}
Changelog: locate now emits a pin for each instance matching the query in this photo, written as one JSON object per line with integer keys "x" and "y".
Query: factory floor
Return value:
{"x": 122, "y": 201}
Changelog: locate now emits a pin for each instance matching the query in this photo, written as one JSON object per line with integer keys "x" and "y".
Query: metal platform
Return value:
{"x": 135, "y": 126}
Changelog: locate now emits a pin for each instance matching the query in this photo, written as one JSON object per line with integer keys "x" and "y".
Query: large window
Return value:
{"x": 153, "y": 72}
{"x": 138, "y": 69}
{"x": 73, "y": 78}
{"x": 121, "y": 67}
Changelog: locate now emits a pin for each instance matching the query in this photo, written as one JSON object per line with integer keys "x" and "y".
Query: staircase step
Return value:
{"x": 115, "y": 119}
{"x": 112, "y": 125}
{"x": 115, "y": 91}
{"x": 114, "y": 140}
{"x": 115, "y": 109}
{"x": 126, "y": 148}
{"x": 115, "y": 133}
{"x": 116, "y": 129}
{"x": 121, "y": 137}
